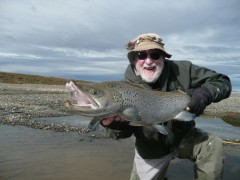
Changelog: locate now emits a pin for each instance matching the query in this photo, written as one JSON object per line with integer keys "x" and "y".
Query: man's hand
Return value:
{"x": 115, "y": 123}
{"x": 109, "y": 120}
{"x": 200, "y": 98}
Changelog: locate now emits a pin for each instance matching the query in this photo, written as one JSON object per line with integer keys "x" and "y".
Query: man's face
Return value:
{"x": 149, "y": 64}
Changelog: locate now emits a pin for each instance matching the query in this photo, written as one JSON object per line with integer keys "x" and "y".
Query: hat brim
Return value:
{"x": 146, "y": 46}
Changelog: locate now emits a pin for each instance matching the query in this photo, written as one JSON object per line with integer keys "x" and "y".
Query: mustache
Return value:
{"x": 149, "y": 66}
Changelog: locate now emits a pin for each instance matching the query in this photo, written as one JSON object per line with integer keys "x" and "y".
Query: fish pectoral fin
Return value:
{"x": 131, "y": 114}
{"x": 94, "y": 123}
{"x": 151, "y": 131}
{"x": 185, "y": 116}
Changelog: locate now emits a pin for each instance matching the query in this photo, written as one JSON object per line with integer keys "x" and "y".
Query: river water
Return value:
{"x": 27, "y": 153}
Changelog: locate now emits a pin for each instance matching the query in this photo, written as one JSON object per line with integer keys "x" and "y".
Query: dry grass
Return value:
{"x": 15, "y": 78}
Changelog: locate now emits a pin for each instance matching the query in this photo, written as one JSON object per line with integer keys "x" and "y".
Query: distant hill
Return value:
{"x": 15, "y": 78}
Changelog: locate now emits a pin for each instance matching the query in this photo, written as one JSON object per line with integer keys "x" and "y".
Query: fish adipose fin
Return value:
{"x": 185, "y": 116}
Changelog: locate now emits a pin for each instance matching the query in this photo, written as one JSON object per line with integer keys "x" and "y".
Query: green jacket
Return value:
{"x": 176, "y": 75}
{"x": 184, "y": 75}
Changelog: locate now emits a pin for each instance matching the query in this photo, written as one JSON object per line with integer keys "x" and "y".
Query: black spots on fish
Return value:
{"x": 129, "y": 96}
{"x": 128, "y": 101}
{"x": 128, "y": 91}
{"x": 117, "y": 97}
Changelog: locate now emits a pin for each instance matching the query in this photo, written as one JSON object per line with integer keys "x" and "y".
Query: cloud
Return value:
{"x": 87, "y": 38}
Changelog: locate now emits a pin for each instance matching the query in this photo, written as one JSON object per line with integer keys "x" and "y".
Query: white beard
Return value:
{"x": 147, "y": 79}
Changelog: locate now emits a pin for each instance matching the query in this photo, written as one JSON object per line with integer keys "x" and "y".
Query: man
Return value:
{"x": 149, "y": 66}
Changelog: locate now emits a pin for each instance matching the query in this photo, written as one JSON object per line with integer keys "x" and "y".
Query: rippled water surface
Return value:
{"x": 27, "y": 153}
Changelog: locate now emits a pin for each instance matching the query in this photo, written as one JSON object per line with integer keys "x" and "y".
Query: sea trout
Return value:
{"x": 135, "y": 103}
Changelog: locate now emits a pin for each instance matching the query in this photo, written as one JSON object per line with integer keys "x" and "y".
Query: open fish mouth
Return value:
{"x": 82, "y": 99}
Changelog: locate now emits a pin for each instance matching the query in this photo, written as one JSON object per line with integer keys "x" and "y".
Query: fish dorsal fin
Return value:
{"x": 131, "y": 114}
{"x": 94, "y": 123}
{"x": 185, "y": 116}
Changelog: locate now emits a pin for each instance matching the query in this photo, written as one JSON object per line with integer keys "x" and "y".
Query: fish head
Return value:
{"x": 92, "y": 99}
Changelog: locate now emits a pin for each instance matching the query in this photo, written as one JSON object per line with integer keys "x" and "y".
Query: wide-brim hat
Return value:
{"x": 145, "y": 42}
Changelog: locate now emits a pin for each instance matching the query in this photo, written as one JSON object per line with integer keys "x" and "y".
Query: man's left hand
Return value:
{"x": 200, "y": 98}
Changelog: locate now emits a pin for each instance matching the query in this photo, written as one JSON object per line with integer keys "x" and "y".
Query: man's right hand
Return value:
{"x": 115, "y": 123}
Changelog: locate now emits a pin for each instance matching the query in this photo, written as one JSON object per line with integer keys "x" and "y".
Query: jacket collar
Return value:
{"x": 131, "y": 76}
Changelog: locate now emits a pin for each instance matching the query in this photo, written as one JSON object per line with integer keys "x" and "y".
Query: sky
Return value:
{"x": 86, "y": 39}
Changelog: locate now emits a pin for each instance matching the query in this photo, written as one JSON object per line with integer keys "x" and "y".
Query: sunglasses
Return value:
{"x": 143, "y": 55}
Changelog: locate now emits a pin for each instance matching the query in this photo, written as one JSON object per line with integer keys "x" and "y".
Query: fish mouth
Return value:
{"x": 82, "y": 99}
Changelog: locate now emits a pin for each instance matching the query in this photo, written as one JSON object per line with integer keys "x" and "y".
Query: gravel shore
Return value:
{"x": 231, "y": 104}
{"x": 21, "y": 104}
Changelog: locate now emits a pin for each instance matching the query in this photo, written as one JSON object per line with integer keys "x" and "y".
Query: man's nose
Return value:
{"x": 148, "y": 60}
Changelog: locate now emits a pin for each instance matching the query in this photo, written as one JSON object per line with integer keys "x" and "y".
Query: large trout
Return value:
{"x": 139, "y": 105}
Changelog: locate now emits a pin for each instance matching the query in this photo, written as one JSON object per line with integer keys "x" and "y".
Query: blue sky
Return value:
{"x": 86, "y": 39}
